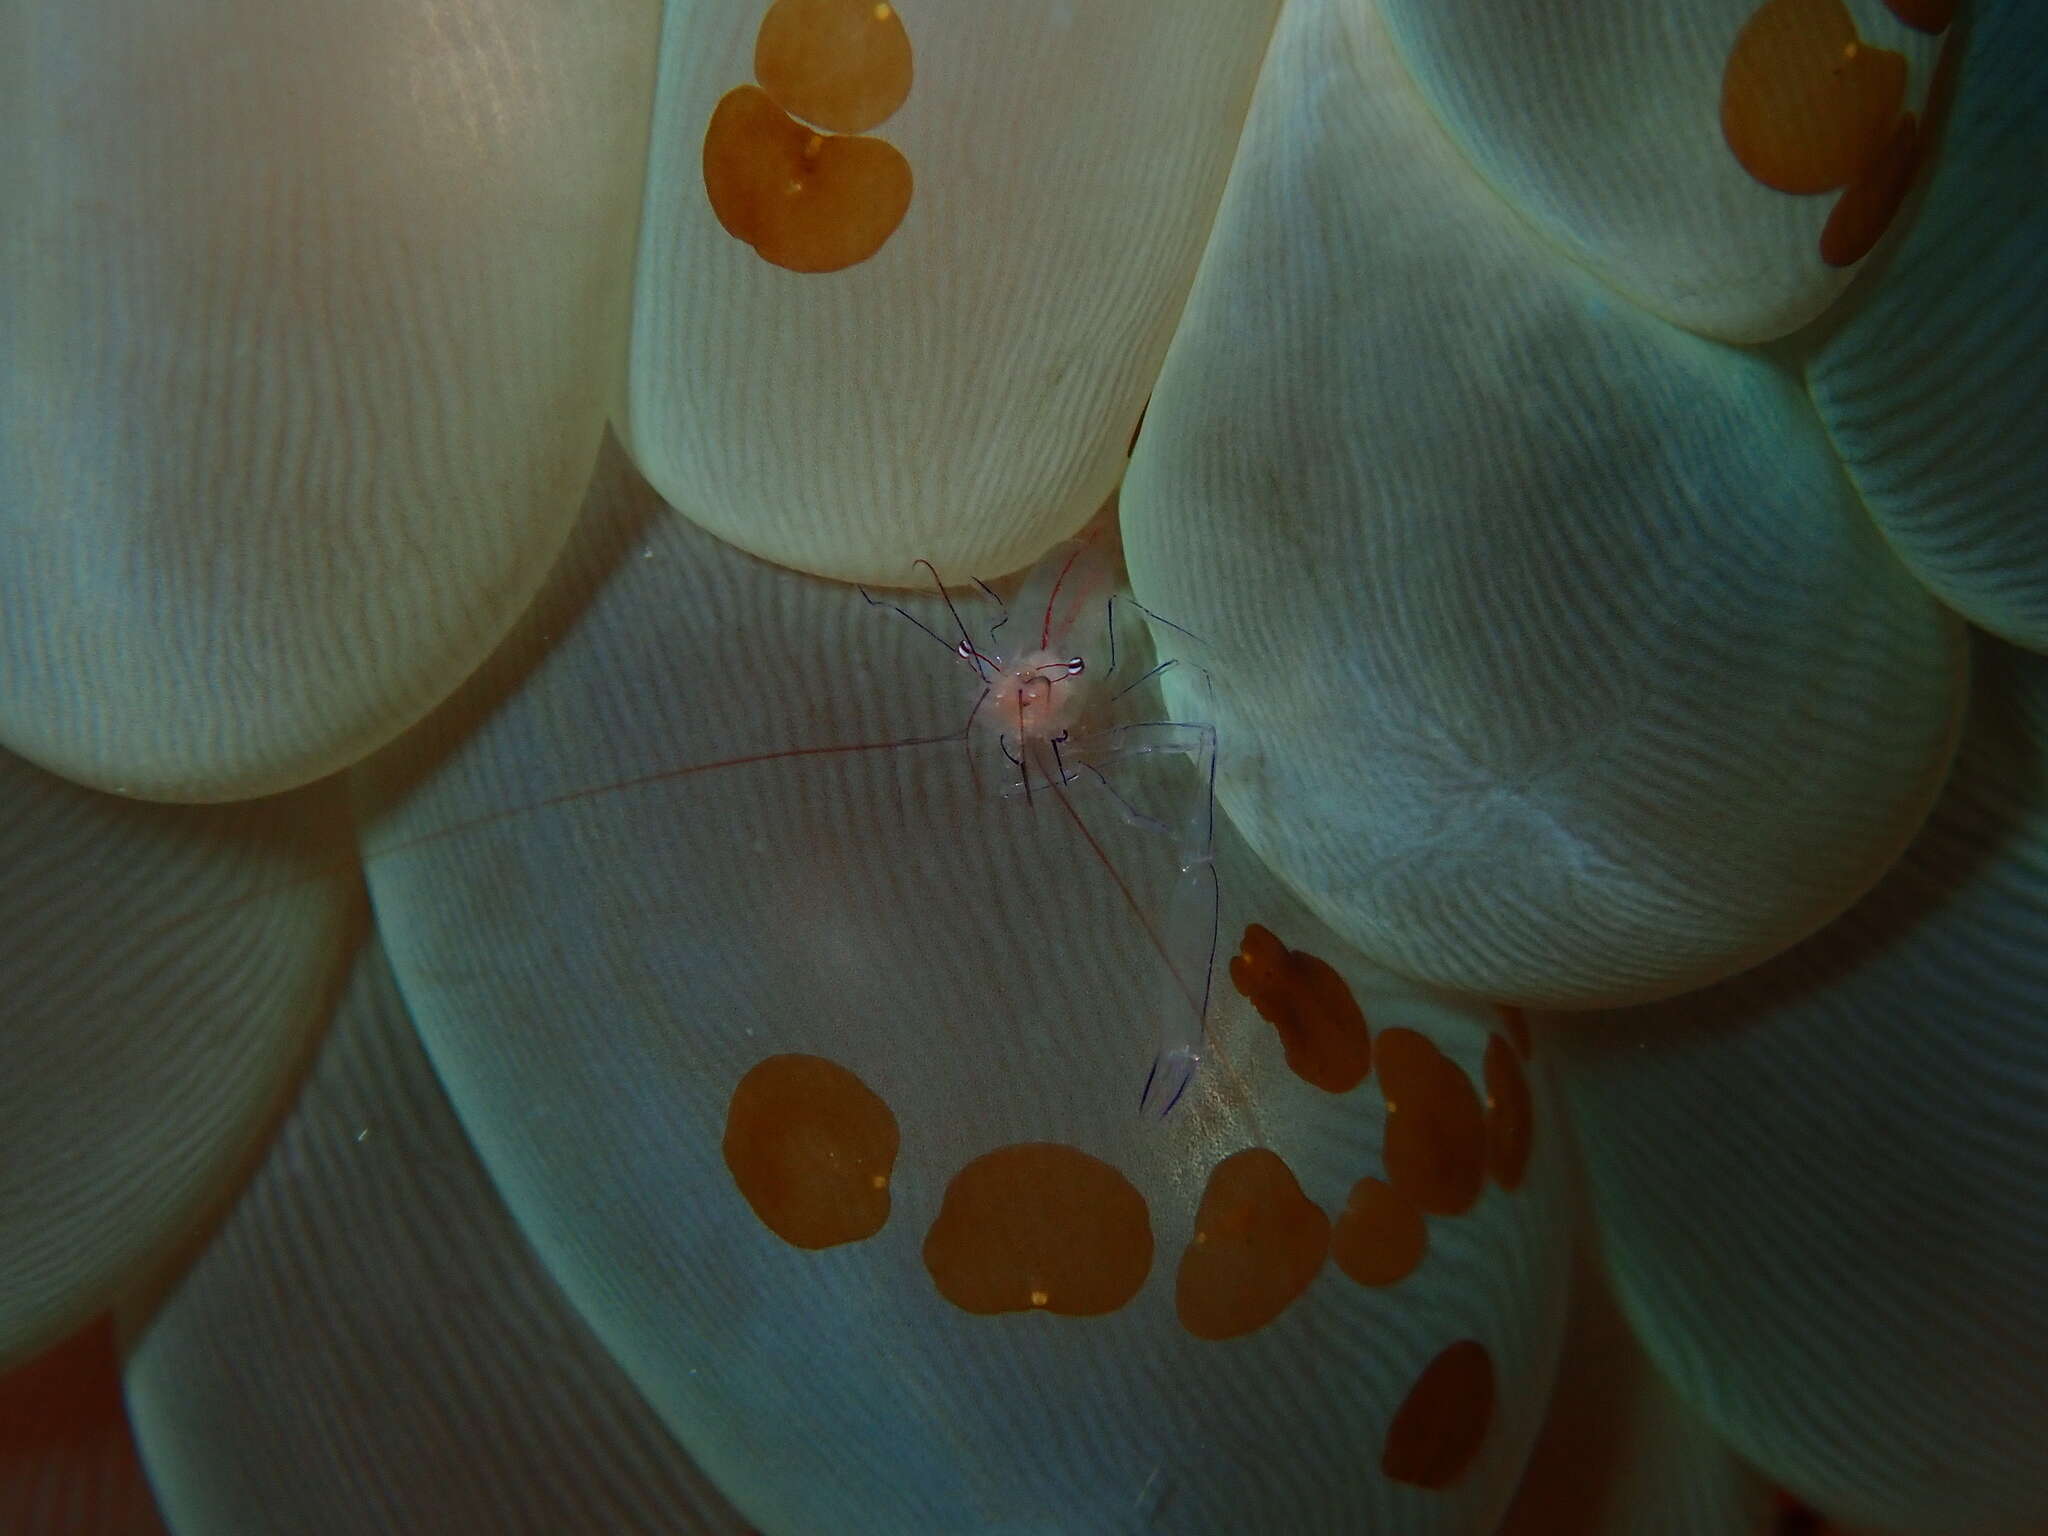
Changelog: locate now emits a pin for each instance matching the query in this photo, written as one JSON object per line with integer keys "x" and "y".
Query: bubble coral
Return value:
{"x": 517, "y": 1013}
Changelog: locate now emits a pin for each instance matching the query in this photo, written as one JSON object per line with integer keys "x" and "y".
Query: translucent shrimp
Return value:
{"x": 1067, "y": 710}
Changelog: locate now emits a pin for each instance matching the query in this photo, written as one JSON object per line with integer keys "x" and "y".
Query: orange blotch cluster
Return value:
{"x": 1258, "y": 1243}
{"x": 1808, "y": 107}
{"x": 1440, "y": 1425}
{"x": 785, "y": 165}
{"x": 1045, "y": 1227}
{"x": 1039, "y": 1227}
{"x": 1381, "y": 1237}
{"x": 1510, "y": 1115}
{"x": 842, "y": 64}
{"x": 1436, "y": 1145}
{"x": 811, "y": 1148}
{"x": 1321, "y": 1027}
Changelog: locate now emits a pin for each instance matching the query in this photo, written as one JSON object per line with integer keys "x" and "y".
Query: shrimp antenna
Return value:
{"x": 1171, "y": 661}
{"x": 1157, "y": 619}
{"x": 1022, "y": 748}
{"x": 1183, "y": 1088}
{"x": 1000, "y": 604}
{"x": 876, "y": 602}
{"x": 958, "y": 623}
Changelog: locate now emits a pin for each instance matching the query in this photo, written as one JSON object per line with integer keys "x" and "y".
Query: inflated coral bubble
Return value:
{"x": 1666, "y": 212}
{"x": 1931, "y": 386}
{"x": 1013, "y": 1282}
{"x": 961, "y": 385}
{"x": 1830, "y": 1169}
{"x": 1558, "y": 660}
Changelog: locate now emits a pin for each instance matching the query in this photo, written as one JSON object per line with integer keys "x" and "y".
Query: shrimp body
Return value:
{"x": 1040, "y": 679}
{"x": 1038, "y": 699}
{"x": 1066, "y": 712}
{"x": 1069, "y": 711}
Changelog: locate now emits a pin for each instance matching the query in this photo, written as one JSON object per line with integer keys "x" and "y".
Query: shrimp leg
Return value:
{"x": 1187, "y": 936}
{"x": 1193, "y": 829}
{"x": 1191, "y": 929}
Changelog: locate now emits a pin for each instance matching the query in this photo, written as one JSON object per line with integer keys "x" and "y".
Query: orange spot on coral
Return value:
{"x": 1037, "y": 1226}
{"x": 1928, "y": 16}
{"x": 811, "y": 1148}
{"x": 842, "y": 64}
{"x": 806, "y": 201}
{"x": 1440, "y": 1424}
{"x": 1258, "y": 1243}
{"x": 1510, "y": 1115}
{"x": 1381, "y": 1236}
{"x": 1435, "y": 1148}
{"x": 1320, "y": 1025}
{"x": 1805, "y": 104}
{"x": 1516, "y": 1022}
{"x": 1868, "y": 205}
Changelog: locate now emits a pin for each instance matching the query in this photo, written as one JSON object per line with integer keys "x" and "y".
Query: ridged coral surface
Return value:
{"x": 1465, "y": 958}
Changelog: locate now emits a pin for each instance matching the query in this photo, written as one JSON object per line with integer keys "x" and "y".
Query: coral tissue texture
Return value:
{"x": 824, "y": 766}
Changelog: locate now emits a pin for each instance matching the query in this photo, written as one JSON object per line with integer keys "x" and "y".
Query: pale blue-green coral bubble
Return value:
{"x": 965, "y": 394}
{"x": 594, "y": 977}
{"x": 162, "y": 971}
{"x": 1829, "y": 1171}
{"x": 1601, "y": 124}
{"x": 1555, "y": 658}
{"x": 1933, "y": 387}
{"x": 368, "y": 1343}
{"x": 311, "y": 315}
